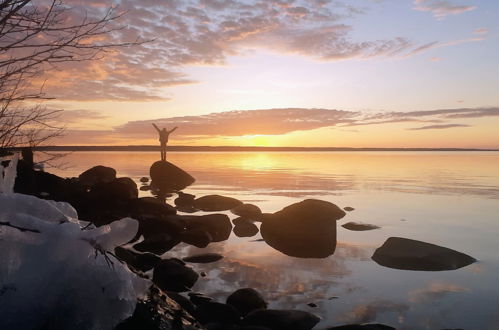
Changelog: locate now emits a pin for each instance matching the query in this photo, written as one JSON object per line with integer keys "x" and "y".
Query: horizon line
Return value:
{"x": 241, "y": 148}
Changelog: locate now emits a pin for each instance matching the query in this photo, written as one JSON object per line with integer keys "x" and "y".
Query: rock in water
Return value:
{"x": 214, "y": 203}
{"x": 282, "y": 319}
{"x": 246, "y": 300}
{"x": 173, "y": 275}
{"x": 203, "y": 258}
{"x": 249, "y": 211}
{"x": 371, "y": 326}
{"x": 97, "y": 174}
{"x": 408, "y": 254}
{"x": 169, "y": 177}
{"x": 306, "y": 229}
{"x": 358, "y": 226}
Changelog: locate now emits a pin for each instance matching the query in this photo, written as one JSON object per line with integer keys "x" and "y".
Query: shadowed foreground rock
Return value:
{"x": 97, "y": 174}
{"x": 203, "y": 258}
{"x": 282, "y": 319}
{"x": 306, "y": 229}
{"x": 168, "y": 177}
{"x": 408, "y": 254}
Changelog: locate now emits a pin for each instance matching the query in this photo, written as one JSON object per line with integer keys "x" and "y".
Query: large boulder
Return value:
{"x": 246, "y": 300}
{"x": 214, "y": 203}
{"x": 306, "y": 229}
{"x": 282, "y": 319}
{"x": 408, "y": 254}
{"x": 97, "y": 174}
{"x": 140, "y": 261}
{"x": 168, "y": 177}
{"x": 150, "y": 206}
{"x": 245, "y": 229}
{"x": 174, "y": 275}
{"x": 117, "y": 191}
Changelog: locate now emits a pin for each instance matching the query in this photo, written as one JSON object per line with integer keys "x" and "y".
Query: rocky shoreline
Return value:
{"x": 306, "y": 229}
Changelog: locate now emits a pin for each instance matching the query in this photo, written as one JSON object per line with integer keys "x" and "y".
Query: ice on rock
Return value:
{"x": 8, "y": 175}
{"x": 51, "y": 275}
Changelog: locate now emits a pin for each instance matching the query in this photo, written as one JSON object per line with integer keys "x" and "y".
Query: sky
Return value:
{"x": 310, "y": 73}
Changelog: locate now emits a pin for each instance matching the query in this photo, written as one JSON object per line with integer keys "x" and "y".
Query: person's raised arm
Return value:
{"x": 173, "y": 129}
{"x": 156, "y": 127}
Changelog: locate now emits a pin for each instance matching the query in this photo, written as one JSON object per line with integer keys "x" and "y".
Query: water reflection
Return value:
{"x": 448, "y": 199}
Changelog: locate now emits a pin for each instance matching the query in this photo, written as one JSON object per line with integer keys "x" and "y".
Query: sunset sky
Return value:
{"x": 351, "y": 73}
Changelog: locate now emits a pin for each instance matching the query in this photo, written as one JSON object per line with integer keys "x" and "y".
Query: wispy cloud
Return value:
{"x": 444, "y": 126}
{"x": 441, "y": 8}
{"x": 271, "y": 122}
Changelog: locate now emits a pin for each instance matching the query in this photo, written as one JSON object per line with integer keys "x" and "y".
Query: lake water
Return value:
{"x": 446, "y": 198}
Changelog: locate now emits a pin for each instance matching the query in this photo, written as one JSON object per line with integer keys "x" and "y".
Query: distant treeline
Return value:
{"x": 231, "y": 148}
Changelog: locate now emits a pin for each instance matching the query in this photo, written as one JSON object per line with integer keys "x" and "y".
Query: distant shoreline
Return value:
{"x": 240, "y": 148}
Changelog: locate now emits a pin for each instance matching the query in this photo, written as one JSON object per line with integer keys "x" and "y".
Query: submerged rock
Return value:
{"x": 408, "y": 254}
{"x": 282, "y": 319}
{"x": 246, "y": 300}
{"x": 203, "y": 258}
{"x": 157, "y": 244}
{"x": 168, "y": 177}
{"x": 357, "y": 226}
{"x": 144, "y": 179}
{"x": 173, "y": 275}
{"x": 198, "y": 238}
{"x": 306, "y": 229}
{"x": 97, "y": 174}
{"x": 214, "y": 203}
{"x": 348, "y": 208}
{"x": 248, "y": 211}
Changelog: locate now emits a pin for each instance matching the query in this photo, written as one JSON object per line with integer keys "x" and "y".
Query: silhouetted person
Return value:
{"x": 163, "y": 139}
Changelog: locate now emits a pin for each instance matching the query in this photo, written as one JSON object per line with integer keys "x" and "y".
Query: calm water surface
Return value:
{"x": 446, "y": 198}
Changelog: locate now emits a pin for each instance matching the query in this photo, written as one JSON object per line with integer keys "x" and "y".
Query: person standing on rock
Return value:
{"x": 163, "y": 139}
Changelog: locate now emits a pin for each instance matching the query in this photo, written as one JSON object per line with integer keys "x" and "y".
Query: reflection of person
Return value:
{"x": 163, "y": 139}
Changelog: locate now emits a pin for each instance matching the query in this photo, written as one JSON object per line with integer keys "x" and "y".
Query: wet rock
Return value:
{"x": 217, "y": 313}
{"x": 139, "y": 261}
{"x": 217, "y": 225}
{"x": 169, "y": 177}
{"x": 184, "y": 200}
{"x": 348, "y": 208}
{"x": 246, "y": 300}
{"x": 157, "y": 244}
{"x": 150, "y": 206}
{"x": 198, "y": 238}
{"x": 408, "y": 254}
{"x": 282, "y": 319}
{"x": 172, "y": 275}
{"x": 144, "y": 179}
{"x": 306, "y": 229}
{"x": 97, "y": 174}
{"x": 203, "y": 258}
{"x": 213, "y": 203}
{"x": 362, "y": 327}
{"x": 203, "y": 274}
{"x": 358, "y": 226}
{"x": 249, "y": 211}
{"x": 199, "y": 298}
{"x": 247, "y": 229}
{"x": 313, "y": 305}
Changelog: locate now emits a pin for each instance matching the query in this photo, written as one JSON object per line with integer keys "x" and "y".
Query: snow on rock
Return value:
{"x": 53, "y": 274}
{"x": 8, "y": 175}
